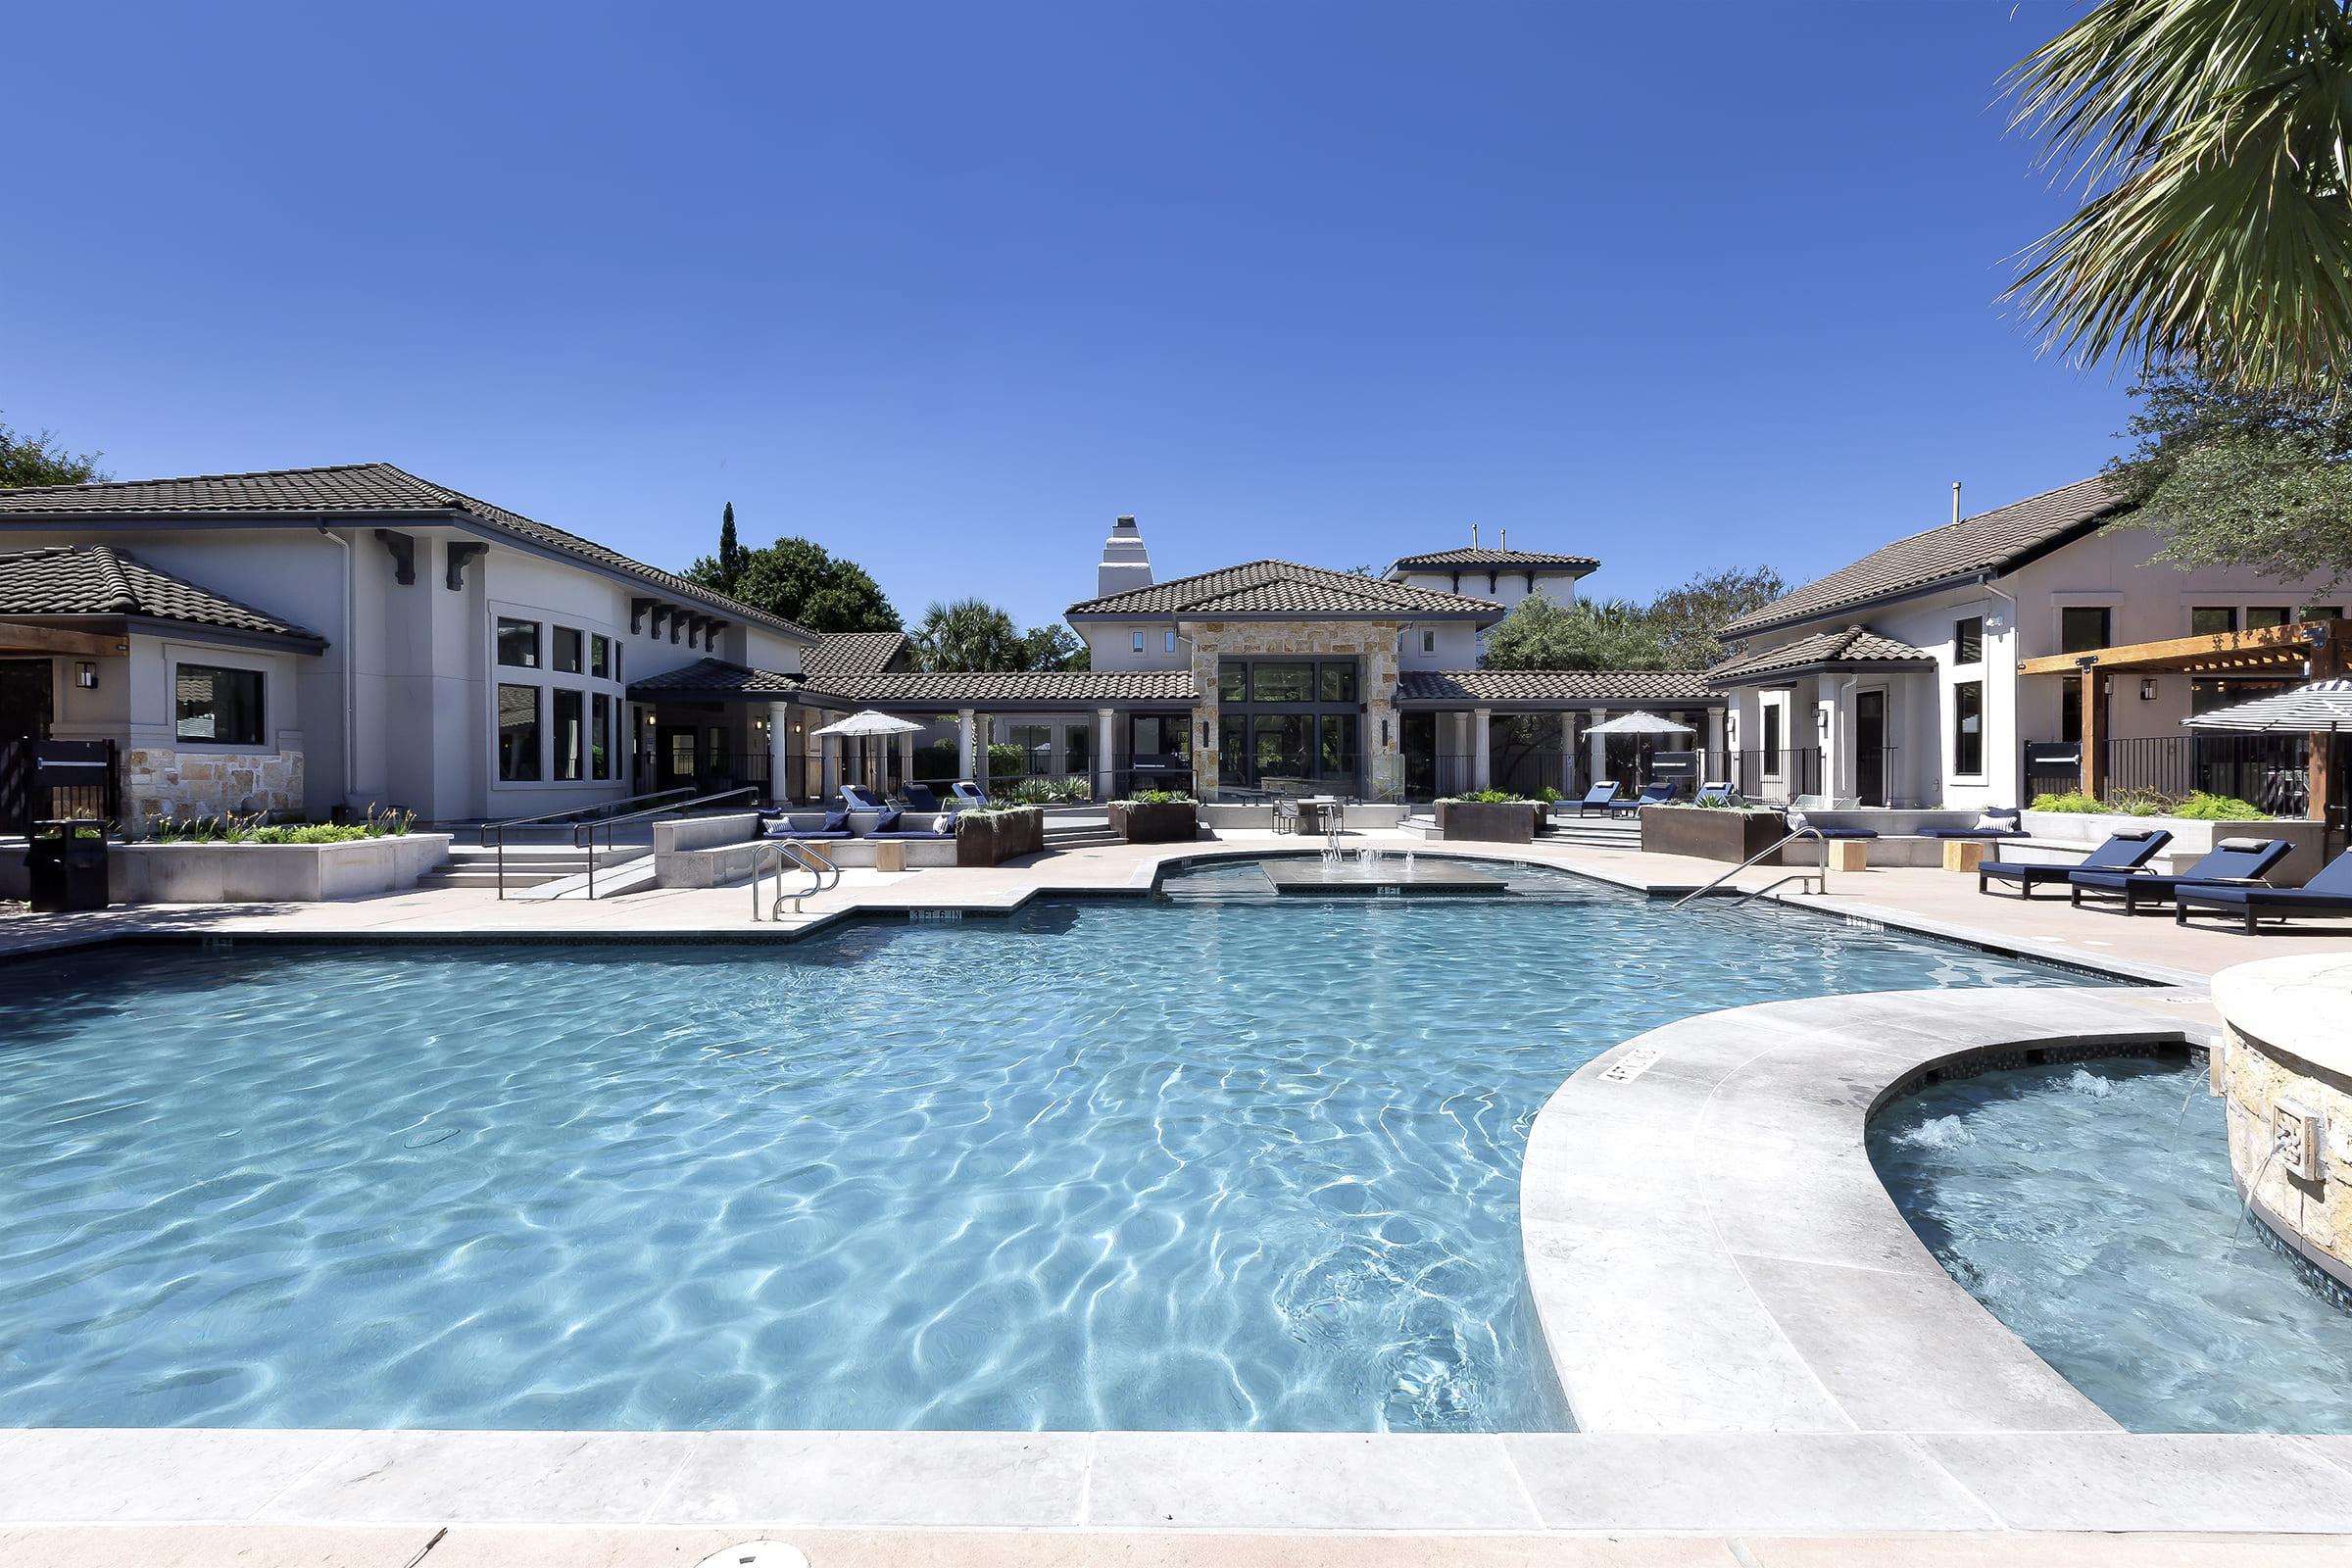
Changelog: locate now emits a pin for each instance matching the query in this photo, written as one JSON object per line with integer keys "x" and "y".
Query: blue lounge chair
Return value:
{"x": 919, "y": 797}
{"x": 2123, "y": 851}
{"x": 858, "y": 798}
{"x": 1597, "y": 798}
{"x": 2329, "y": 893}
{"x": 967, "y": 794}
{"x": 1656, "y": 794}
{"x": 2231, "y": 861}
{"x": 1716, "y": 795}
{"x": 2000, "y": 822}
{"x": 894, "y": 826}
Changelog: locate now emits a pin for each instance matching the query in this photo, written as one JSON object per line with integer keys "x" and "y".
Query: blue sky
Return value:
{"x": 946, "y": 288}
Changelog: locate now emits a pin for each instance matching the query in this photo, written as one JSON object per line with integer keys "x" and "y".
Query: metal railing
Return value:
{"x": 1819, "y": 875}
{"x": 823, "y": 874}
{"x": 584, "y": 835}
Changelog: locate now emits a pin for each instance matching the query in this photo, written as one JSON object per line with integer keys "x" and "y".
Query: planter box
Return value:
{"x": 1166, "y": 822}
{"x": 1490, "y": 822}
{"x": 991, "y": 838}
{"x": 1708, "y": 834}
{"x": 270, "y": 873}
{"x": 2193, "y": 837}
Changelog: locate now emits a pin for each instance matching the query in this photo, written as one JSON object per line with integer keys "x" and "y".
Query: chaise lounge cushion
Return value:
{"x": 1997, "y": 822}
{"x": 2330, "y": 890}
{"x": 2123, "y": 851}
{"x": 2231, "y": 861}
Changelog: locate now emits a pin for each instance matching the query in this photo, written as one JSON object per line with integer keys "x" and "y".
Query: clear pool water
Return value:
{"x": 1101, "y": 1165}
{"x": 2090, "y": 1209}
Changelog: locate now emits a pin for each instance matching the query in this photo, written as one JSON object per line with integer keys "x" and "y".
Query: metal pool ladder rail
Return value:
{"x": 1819, "y": 876}
{"x": 823, "y": 874}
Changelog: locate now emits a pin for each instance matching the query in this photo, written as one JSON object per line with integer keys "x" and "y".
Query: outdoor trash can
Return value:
{"x": 68, "y": 865}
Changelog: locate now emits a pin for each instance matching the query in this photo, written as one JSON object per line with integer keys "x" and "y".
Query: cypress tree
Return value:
{"x": 730, "y": 553}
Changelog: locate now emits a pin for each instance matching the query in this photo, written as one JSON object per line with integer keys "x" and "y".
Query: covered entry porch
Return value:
{"x": 1531, "y": 730}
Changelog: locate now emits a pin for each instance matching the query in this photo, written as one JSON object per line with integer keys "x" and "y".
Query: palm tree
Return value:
{"x": 2210, "y": 138}
{"x": 969, "y": 634}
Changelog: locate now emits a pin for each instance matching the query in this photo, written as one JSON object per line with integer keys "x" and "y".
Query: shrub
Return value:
{"x": 1487, "y": 797}
{"x": 1158, "y": 798}
{"x": 2201, "y": 805}
{"x": 252, "y": 829}
{"x": 2209, "y": 808}
{"x": 1547, "y": 794}
{"x": 1007, "y": 760}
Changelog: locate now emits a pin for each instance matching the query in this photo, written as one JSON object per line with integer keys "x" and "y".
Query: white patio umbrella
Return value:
{"x": 869, "y": 723}
{"x": 1647, "y": 725}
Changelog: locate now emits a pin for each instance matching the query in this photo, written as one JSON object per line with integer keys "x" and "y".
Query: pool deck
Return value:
{"x": 1757, "y": 1348}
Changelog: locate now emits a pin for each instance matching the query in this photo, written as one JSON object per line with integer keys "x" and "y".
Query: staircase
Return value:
{"x": 530, "y": 866}
{"x": 1078, "y": 831}
{"x": 1596, "y": 832}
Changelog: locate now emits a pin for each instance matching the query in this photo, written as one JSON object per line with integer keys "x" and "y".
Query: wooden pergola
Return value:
{"x": 35, "y": 637}
{"x": 2312, "y": 649}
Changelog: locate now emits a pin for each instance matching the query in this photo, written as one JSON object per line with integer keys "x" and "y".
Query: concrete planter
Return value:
{"x": 1490, "y": 822}
{"x": 1707, "y": 833}
{"x": 2286, "y": 1070}
{"x": 2193, "y": 837}
{"x": 270, "y": 873}
{"x": 990, "y": 838}
{"x": 1163, "y": 822}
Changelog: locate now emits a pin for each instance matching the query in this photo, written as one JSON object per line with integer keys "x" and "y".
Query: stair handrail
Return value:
{"x": 1821, "y": 875}
{"x": 494, "y": 834}
{"x": 584, "y": 835}
{"x": 823, "y": 874}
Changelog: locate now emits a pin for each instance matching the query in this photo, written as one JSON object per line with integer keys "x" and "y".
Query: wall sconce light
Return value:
{"x": 86, "y": 675}
{"x": 1821, "y": 720}
{"x": 2147, "y": 689}
{"x": 2107, "y": 685}
{"x": 1383, "y": 734}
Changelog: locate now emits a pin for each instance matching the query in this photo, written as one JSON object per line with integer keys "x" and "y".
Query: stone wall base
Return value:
{"x": 160, "y": 782}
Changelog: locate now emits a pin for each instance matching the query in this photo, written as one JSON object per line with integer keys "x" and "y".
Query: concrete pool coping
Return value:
{"x": 2036, "y": 1462}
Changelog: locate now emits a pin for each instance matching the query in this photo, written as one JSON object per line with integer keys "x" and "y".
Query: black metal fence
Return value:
{"x": 2272, "y": 771}
{"x": 1791, "y": 771}
{"x": 53, "y": 780}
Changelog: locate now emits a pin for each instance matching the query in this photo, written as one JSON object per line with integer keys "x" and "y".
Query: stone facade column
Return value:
{"x": 1383, "y": 737}
{"x": 1207, "y": 639}
{"x": 1481, "y": 757}
{"x": 1106, "y": 778}
{"x": 779, "y": 754}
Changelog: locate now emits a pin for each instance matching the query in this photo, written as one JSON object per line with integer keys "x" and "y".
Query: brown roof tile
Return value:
{"x": 1284, "y": 587}
{"x": 854, "y": 653}
{"x": 1852, "y": 647}
{"x": 1555, "y": 685}
{"x": 1487, "y": 558}
{"x": 99, "y": 580}
{"x": 364, "y": 489}
{"x": 1991, "y": 541}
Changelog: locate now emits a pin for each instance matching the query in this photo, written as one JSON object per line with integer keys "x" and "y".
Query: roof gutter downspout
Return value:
{"x": 350, "y": 675}
{"x": 2009, "y": 686}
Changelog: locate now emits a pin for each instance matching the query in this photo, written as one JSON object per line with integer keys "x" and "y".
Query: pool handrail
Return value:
{"x": 495, "y": 833}
{"x": 584, "y": 835}
{"x": 1819, "y": 875}
{"x": 823, "y": 874}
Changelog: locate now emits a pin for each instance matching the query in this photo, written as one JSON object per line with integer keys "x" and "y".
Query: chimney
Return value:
{"x": 1126, "y": 565}
{"x": 1955, "y": 501}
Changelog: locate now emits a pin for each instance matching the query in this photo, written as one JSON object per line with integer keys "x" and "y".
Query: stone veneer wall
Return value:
{"x": 159, "y": 782}
{"x": 1373, "y": 642}
{"x": 2285, "y": 1068}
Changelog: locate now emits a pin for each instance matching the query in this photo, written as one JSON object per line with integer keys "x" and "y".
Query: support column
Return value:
{"x": 1481, "y": 760}
{"x": 779, "y": 754}
{"x": 1107, "y": 781}
{"x": 988, "y": 733}
{"x": 830, "y": 751}
{"x": 965, "y": 741}
{"x": 906, "y": 761}
{"x": 2094, "y": 734}
{"x": 1718, "y": 767}
{"x": 1568, "y": 753}
{"x": 1599, "y": 745}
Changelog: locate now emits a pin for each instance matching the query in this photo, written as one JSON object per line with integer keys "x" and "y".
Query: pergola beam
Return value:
{"x": 2291, "y": 644}
{"x": 24, "y": 637}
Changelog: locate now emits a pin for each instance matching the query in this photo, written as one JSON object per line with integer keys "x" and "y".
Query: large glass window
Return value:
{"x": 572, "y": 737}
{"x": 1338, "y": 757}
{"x": 1278, "y": 745}
{"x": 1968, "y": 641}
{"x": 599, "y": 658}
{"x": 1968, "y": 728}
{"x": 2082, "y": 628}
{"x": 1233, "y": 684}
{"x": 2207, "y": 620}
{"x": 2261, "y": 616}
{"x": 1281, "y": 683}
{"x": 1036, "y": 741}
{"x": 1772, "y": 739}
{"x": 1159, "y": 735}
{"x": 216, "y": 705}
{"x": 600, "y": 735}
{"x": 567, "y": 651}
{"x": 1335, "y": 683}
{"x": 519, "y": 734}
{"x": 517, "y": 643}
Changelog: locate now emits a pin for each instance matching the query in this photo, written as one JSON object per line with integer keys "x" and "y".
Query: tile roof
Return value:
{"x": 1991, "y": 541}
{"x": 1478, "y": 556}
{"x": 716, "y": 677}
{"x": 1851, "y": 648}
{"x": 1284, "y": 587}
{"x": 364, "y": 489}
{"x": 1024, "y": 686}
{"x": 98, "y": 580}
{"x": 1555, "y": 685}
{"x": 854, "y": 653}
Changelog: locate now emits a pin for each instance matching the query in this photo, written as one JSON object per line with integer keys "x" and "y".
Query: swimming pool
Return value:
{"x": 2090, "y": 1209}
{"x": 1101, "y": 1165}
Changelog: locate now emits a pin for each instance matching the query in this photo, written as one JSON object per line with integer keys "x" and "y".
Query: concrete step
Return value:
{"x": 487, "y": 878}
{"x": 611, "y": 880}
{"x": 1076, "y": 838}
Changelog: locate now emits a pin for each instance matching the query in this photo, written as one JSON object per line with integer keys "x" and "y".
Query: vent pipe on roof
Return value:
{"x": 1955, "y": 501}
{"x": 1474, "y": 536}
{"x": 1502, "y": 538}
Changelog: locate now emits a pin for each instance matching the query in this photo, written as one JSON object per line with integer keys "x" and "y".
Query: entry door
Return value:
{"x": 1870, "y": 747}
{"x": 679, "y": 751}
{"x": 25, "y": 715}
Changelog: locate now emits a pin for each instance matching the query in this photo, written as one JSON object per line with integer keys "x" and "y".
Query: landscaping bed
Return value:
{"x": 994, "y": 836}
{"x": 1155, "y": 821}
{"x": 1710, "y": 832}
{"x": 1490, "y": 822}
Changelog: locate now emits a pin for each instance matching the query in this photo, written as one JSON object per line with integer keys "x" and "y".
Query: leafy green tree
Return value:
{"x": 969, "y": 634}
{"x": 27, "y": 459}
{"x": 730, "y": 550}
{"x": 1055, "y": 647}
{"x": 1591, "y": 634}
{"x": 2239, "y": 477}
{"x": 801, "y": 582}
{"x": 1686, "y": 620}
{"x": 2212, "y": 140}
